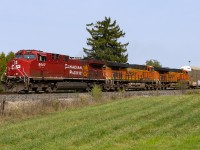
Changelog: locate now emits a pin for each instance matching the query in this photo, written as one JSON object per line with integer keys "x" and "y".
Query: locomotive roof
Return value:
{"x": 115, "y": 64}
{"x": 41, "y": 52}
{"x": 136, "y": 66}
{"x": 142, "y": 67}
{"x": 125, "y": 65}
{"x": 165, "y": 69}
{"x": 30, "y": 50}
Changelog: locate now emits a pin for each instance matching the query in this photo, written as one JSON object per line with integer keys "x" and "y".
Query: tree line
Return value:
{"x": 4, "y": 59}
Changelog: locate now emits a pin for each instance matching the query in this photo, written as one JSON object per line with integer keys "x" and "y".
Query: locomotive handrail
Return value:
{"x": 24, "y": 75}
{"x": 26, "y": 78}
{"x": 20, "y": 72}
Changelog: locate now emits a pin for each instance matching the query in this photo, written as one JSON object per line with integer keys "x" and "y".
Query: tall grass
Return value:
{"x": 27, "y": 109}
{"x": 161, "y": 122}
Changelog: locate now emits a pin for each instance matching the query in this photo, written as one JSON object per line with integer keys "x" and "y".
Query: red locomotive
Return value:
{"x": 33, "y": 70}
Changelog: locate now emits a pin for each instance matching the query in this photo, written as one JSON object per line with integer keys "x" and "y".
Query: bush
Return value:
{"x": 182, "y": 85}
{"x": 96, "y": 92}
{"x": 1, "y": 88}
{"x": 191, "y": 92}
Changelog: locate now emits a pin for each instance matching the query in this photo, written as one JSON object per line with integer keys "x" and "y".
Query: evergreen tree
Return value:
{"x": 10, "y": 56}
{"x": 104, "y": 42}
{"x": 2, "y": 63}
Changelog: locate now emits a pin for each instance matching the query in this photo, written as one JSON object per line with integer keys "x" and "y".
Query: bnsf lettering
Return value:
{"x": 75, "y": 72}
{"x": 73, "y": 67}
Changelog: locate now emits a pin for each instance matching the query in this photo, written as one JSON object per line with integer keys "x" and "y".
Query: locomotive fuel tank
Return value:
{"x": 71, "y": 85}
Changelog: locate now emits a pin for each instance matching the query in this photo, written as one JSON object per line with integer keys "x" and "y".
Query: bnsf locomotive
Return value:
{"x": 33, "y": 70}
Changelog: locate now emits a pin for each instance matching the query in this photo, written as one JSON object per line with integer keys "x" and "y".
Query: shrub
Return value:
{"x": 96, "y": 92}
{"x": 1, "y": 88}
{"x": 193, "y": 91}
{"x": 182, "y": 85}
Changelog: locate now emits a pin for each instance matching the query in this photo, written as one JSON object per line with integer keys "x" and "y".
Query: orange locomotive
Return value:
{"x": 170, "y": 78}
{"x": 33, "y": 70}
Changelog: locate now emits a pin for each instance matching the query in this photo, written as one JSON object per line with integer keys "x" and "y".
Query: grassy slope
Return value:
{"x": 171, "y": 122}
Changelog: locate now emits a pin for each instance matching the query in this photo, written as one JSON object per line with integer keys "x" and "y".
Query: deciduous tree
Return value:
{"x": 154, "y": 63}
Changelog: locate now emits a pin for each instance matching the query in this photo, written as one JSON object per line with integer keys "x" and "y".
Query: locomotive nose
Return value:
{"x": 14, "y": 69}
{"x": 15, "y": 64}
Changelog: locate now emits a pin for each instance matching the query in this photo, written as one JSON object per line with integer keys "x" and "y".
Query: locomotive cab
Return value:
{"x": 17, "y": 73}
{"x": 149, "y": 68}
{"x": 19, "y": 66}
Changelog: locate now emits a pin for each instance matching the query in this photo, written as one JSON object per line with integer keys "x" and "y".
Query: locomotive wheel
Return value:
{"x": 48, "y": 90}
{"x": 147, "y": 88}
{"x": 36, "y": 90}
{"x": 117, "y": 89}
{"x": 23, "y": 92}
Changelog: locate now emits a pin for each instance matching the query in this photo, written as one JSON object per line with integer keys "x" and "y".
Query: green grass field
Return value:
{"x": 164, "y": 122}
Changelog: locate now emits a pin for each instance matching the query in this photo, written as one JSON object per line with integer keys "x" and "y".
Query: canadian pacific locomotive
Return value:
{"x": 33, "y": 70}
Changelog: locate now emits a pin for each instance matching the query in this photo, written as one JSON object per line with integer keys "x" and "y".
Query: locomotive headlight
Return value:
{"x": 18, "y": 66}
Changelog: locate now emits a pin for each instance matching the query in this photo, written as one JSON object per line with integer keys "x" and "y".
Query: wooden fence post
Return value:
{"x": 2, "y": 108}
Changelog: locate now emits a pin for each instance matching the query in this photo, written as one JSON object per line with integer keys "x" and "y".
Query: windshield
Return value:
{"x": 18, "y": 56}
{"x": 29, "y": 56}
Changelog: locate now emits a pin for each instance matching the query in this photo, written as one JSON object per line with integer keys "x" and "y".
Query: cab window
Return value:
{"x": 18, "y": 55}
{"x": 29, "y": 56}
{"x": 42, "y": 58}
{"x": 57, "y": 56}
{"x": 66, "y": 58}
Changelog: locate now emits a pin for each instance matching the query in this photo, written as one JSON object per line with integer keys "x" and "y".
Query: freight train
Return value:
{"x": 194, "y": 76}
{"x": 38, "y": 71}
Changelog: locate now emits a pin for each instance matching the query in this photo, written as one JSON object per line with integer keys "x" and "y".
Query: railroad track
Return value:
{"x": 74, "y": 96}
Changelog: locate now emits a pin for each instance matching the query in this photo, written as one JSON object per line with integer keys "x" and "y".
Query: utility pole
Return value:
{"x": 189, "y": 62}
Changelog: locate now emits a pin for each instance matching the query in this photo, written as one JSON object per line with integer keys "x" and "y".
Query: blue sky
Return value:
{"x": 165, "y": 30}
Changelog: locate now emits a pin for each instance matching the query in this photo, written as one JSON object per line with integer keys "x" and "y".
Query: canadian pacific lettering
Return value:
{"x": 75, "y": 72}
{"x": 73, "y": 67}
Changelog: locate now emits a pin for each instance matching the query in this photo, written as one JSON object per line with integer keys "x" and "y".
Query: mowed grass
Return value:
{"x": 164, "y": 122}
